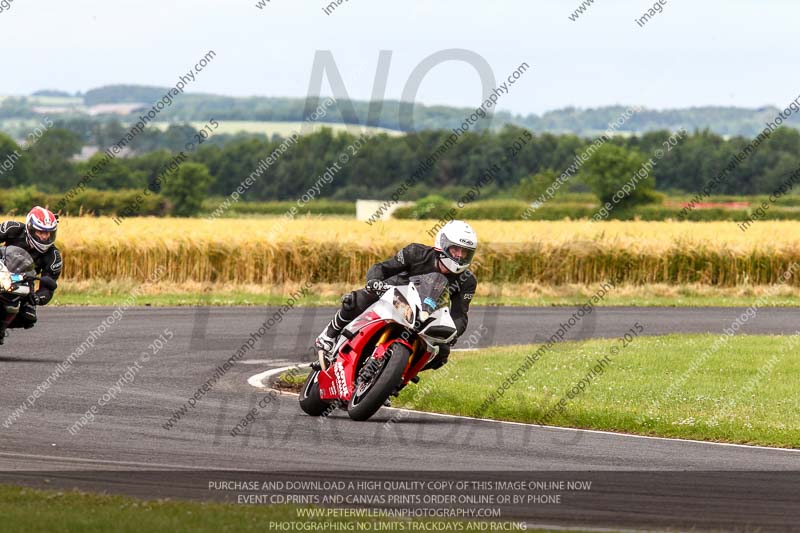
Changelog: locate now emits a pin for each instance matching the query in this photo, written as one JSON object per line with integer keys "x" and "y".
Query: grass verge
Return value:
{"x": 744, "y": 392}
{"x": 291, "y": 381}
{"x": 328, "y": 294}
{"x": 47, "y": 511}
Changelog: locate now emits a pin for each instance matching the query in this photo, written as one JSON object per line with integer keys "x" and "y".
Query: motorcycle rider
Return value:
{"x": 450, "y": 255}
{"x": 36, "y": 236}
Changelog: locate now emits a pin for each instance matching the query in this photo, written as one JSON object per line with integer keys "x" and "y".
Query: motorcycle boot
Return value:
{"x": 323, "y": 345}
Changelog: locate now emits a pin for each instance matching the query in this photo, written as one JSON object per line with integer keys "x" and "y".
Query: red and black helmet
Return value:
{"x": 40, "y": 228}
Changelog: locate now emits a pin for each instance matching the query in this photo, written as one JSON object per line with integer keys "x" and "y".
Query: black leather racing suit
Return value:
{"x": 49, "y": 263}
{"x": 412, "y": 260}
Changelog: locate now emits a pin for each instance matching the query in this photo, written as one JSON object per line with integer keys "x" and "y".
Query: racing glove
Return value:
{"x": 376, "y": 286}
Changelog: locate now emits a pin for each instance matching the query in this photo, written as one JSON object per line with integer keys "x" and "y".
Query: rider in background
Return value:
{"x": 36, "y": 236}
{"x": 451, "y": 255}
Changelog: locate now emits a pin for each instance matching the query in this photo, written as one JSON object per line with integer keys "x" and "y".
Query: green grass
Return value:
{"x": 29, "y": 510}
{"x": 643, "y": 300}
{"x": 293, "y": 379}
{"x": 714, "y": 402}
{"x": 103, "y": 295}
{"x": 233, "y": 298}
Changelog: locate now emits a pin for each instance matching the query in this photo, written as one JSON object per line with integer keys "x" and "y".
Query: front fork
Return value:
{"x": 414, "y": 367}
{"x": 384, "y": 338}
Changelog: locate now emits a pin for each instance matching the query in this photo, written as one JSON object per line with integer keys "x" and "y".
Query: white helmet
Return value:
{"x": 456, "y": 243}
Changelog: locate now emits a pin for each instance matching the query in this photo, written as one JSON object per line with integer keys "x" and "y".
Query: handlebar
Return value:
{"x": 44, "y": 281}
{"x": 21, "y": 290}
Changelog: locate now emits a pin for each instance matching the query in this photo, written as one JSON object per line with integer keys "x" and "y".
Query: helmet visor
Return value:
{"x": 460, "y": 254}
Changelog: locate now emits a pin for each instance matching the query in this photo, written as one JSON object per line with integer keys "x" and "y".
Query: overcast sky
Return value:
{"x": 710, "y": 52}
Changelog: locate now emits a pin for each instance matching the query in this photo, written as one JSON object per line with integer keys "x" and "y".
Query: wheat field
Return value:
{"x": 273, "y": 251}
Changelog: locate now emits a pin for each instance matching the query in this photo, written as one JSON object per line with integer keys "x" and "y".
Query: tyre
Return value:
{"x": 369, "y": 397}
{"x": 310, "y": 401}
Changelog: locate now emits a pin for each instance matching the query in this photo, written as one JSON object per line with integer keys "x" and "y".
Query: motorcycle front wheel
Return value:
{"x": 370, "y": 395}
{"x": 310, "y": 401}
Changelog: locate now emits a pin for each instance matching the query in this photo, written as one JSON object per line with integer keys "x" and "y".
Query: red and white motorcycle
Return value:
{"x": 383, "y": 349}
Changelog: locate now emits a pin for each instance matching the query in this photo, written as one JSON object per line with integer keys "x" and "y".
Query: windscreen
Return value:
{"x": 433, "y": 291}
{"x": 16, "y": 260}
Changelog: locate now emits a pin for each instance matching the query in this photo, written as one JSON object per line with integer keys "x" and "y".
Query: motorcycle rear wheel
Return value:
{"x": 363, "y": 406}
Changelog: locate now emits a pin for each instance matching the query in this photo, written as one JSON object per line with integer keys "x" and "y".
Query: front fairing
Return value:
{"x": 406, "y": 306}
{"x": 16, "y": 269}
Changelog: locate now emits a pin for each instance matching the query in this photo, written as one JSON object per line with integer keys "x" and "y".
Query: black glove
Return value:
{"x": 376, "y": 286}
{"x": 35, "y": 299}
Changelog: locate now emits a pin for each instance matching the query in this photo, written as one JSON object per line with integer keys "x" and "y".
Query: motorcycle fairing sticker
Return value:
{"x": 341, "y": 382}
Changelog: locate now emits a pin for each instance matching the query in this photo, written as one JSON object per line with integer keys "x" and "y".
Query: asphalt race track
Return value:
{"x": 636, "y": 482}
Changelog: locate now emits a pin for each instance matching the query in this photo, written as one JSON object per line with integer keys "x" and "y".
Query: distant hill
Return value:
{"x": 188, "y": 107}
{"x": 52, "y": 93}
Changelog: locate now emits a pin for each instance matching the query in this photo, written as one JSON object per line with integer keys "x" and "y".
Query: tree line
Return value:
{"x": 383, "y": 162}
